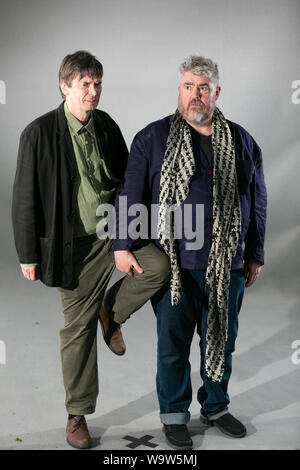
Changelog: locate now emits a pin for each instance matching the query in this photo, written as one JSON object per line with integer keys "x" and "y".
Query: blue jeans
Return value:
{"x": 175, "y": 330}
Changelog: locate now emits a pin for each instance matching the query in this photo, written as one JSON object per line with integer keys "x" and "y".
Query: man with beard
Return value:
{"x": 197, "y": 157}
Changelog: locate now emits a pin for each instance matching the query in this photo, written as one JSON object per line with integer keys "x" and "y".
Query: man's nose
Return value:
{"x": 196, "y": 92}
{"x": 92, "y": 90}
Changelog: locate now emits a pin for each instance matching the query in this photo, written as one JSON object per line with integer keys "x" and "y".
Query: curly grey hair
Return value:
{"x": 200, "y": 66}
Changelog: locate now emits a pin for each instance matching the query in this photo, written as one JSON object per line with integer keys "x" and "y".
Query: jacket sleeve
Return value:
{"x": 24, "y": 203}
{"x": 133, "y": 192}
{"x": 254, "y": 240}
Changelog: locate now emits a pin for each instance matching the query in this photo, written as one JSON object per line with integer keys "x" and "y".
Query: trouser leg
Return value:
{"x": 175, "y": 329}
{"x": 93, "y": 266}
{"x": 131, "y": 292}
{"x": 213, "y": 396}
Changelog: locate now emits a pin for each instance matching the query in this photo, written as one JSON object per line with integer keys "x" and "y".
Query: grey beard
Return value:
{"x": 199, "y": 120}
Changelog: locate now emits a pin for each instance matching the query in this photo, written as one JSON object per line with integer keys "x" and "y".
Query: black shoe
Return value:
{"x": 227, "y": 424}
{"x": 178, "y": 436}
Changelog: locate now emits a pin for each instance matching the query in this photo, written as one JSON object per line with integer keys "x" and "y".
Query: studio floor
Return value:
{"x": 264, "y": 388}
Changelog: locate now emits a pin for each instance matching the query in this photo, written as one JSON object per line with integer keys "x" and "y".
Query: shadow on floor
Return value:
{"x": 270, "y": 396}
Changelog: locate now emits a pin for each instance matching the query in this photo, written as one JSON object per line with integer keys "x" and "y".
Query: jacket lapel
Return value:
{"x": 65, "y": 141}
{"x": 102, "y": 137}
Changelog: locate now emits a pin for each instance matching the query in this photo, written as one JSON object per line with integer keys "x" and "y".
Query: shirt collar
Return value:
{"x": 76, "y": 126}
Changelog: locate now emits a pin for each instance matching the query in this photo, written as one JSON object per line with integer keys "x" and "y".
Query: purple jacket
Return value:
{"x": 142, "y": 181}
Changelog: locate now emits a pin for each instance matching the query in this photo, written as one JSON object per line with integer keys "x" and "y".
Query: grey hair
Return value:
{"x": 200, "y": 66}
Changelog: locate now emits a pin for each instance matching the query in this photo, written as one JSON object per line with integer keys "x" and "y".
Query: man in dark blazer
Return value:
{"x": 70, "y": 161}
{"x": 195, "y": 159}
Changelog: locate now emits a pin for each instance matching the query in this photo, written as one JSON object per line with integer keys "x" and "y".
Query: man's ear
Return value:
{"x": 64, "y": 88}
{"x": 218, "y": 91}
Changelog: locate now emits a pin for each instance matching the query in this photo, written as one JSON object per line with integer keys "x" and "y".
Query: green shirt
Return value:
{"x": 95, "y": 185}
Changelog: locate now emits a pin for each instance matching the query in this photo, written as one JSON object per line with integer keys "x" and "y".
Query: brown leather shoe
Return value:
{"x": 111, "y": 333}
{"x": 77, "y": 433}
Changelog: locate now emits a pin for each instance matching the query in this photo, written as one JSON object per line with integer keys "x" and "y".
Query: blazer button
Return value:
{"x": 67, "y": 243}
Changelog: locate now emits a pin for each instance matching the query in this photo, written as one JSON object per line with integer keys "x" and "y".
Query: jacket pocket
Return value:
{"x": 244, "y": 172}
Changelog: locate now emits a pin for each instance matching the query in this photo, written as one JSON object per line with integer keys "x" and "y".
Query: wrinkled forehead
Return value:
{"x": 192, "y": 78}
{"x": 86, "y": 77}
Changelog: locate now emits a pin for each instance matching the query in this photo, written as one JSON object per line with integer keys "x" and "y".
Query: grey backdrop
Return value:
{"x": 141, "y": 43}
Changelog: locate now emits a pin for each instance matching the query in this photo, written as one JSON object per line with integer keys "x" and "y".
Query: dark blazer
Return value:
{"x": 45, "y": 190}
{"x": 142, "y": 185}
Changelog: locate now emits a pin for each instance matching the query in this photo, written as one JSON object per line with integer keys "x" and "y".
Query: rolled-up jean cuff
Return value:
{"x": 218, "y": 415}
{"x": 175, "y": 418}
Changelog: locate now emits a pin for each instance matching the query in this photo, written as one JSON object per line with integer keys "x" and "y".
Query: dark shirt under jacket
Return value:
{"x": 46, "y": 186}
{"x": 142, "y": 181}
{"x": 205, "y": 144}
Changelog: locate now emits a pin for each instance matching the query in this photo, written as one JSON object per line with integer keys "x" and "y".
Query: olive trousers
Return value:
{"x": 93, "y": 265}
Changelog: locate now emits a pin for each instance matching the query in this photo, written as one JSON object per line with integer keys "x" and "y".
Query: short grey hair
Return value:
{"x": 200, "y": 66}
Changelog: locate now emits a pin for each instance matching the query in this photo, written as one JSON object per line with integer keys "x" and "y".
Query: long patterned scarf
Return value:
{"x": 177, "y": 169}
